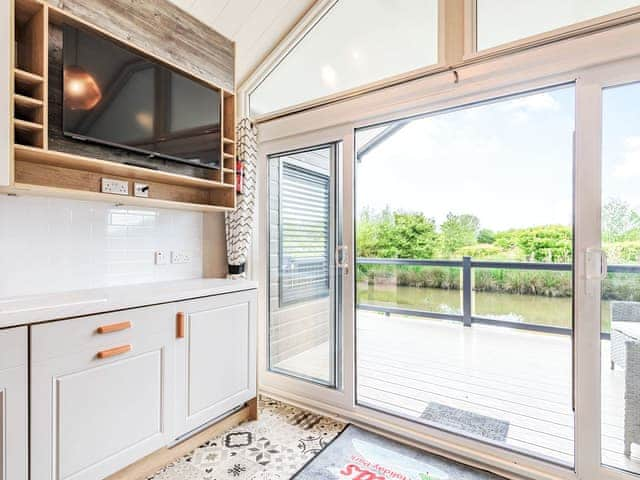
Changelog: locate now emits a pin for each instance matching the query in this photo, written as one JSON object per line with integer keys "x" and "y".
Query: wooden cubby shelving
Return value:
{"x": 228, "y": 158}
{"x": 36, "y": 169}
{"x": 30, "y": 73}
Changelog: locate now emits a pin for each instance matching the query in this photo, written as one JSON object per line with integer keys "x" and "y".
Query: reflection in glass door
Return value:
{"x": 464, "y": 245}
{"x": 620, "y": 303}
{"x": 303, "y": 316}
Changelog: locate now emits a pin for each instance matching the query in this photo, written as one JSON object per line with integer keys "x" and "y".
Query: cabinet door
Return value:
{"x": 13, "y": 404}
{"x": 216, "y": 359}
{"x": 95, "y": 410}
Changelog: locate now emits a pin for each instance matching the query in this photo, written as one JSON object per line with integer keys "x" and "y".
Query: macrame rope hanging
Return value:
{"x": 239, "y": 222}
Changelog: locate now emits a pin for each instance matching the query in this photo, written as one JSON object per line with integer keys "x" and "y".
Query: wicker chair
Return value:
{"x": 631, "y": 395}
{"x": 625, "y": 352}
{"x": 625, "y": 325}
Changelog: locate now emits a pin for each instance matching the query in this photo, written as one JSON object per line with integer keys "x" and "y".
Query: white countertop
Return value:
{"x": 40, "y": 308}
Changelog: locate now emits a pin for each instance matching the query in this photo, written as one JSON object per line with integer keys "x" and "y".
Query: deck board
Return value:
{"x": 512, "y": 375}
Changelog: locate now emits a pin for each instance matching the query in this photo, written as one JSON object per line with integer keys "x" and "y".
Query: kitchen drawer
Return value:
{"x": 55, "y": 339}
{"x": 98, "y": 407}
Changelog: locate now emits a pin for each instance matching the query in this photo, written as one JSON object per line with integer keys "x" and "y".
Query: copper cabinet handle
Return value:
{"x": 114, "y": 351}
{"x": 180, "y": 325}
{"x": 114, "y": 327}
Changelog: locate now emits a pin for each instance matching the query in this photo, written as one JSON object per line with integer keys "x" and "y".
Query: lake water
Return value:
{"x": 504, "y": 306}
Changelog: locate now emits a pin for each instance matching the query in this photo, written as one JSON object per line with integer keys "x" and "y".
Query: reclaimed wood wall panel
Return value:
{"x": 163, "y": 30}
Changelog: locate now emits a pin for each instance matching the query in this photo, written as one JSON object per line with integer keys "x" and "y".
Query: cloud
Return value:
{"x": 630, "y": 164}
{"x": 532, "y": 103}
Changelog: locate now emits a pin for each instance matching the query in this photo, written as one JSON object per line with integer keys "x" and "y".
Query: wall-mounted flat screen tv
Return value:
{"x": 117, "y": 97}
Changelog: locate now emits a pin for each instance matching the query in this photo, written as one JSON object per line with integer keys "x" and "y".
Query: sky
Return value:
{"x": 510, "y": 162}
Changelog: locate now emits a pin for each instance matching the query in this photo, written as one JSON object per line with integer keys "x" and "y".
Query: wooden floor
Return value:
{"x": 516, "y": 376}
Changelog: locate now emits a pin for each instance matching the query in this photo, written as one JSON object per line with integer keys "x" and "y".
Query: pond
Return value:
{"x": 538, "y": 310}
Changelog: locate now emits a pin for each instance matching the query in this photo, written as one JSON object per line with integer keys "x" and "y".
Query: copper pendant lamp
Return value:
{"x": 81, "y": 91}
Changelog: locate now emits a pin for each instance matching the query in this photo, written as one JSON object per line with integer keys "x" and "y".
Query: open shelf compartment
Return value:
{"x": 30, "y": 73}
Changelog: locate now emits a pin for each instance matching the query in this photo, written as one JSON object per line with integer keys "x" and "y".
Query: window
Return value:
{"x": 303, "y": 286}
{"x": 503, "y": 21}
{"x": 304, "y": 234}
{"x": 355, "y": 43}
{"x": 463, "y": 271}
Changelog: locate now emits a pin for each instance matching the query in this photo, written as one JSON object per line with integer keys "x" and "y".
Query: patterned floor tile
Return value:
{"x": 274, "y": 447}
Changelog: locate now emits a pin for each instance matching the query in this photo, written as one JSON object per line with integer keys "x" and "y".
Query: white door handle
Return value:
{"x": 596, "y": 264}
{"x": 342, "y": 258}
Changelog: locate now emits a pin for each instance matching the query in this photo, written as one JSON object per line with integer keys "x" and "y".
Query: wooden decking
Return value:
{"x": 516, "y": 376}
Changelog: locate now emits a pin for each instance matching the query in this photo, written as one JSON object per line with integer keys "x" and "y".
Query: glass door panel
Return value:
{"x": 302, "y": 281}
{"x": 620, "y": 303}
{"x": 464, "y": 261}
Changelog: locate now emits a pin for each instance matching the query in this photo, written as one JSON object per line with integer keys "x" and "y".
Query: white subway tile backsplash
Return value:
{"x": 52, "y": 244}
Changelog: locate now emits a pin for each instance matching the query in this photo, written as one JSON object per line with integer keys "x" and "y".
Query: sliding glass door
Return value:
{"x": 494, "y": 291}
{"x": 620, "y": 289}
{"x": 464, "y": 245}
{"x": 303, "y": 285}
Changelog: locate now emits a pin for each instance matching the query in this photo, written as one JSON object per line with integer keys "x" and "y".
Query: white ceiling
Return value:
{"x": 255, "y": 25}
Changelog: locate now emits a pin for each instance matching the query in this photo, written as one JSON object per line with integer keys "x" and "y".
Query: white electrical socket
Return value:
{"x": 161, "y": 257}
{"x": 115, "y": 187}
{"x": 180, "y": 257}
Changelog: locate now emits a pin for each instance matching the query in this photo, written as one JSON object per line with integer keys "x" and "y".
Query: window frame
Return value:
{"x": 297, "y": 34}
{"x": 456, "y": 49}
{"x": 471, "y": 51}
{"x": 336, "y": 284}
{"x": 540, "y": 68}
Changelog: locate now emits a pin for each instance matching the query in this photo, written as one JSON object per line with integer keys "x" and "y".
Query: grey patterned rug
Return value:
{"x": 358, "y": 454}
{"x": 276, "y": 446}
{"x": 473, "y": 423}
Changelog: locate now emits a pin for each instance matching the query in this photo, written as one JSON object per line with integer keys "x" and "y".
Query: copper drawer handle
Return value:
{"x": 180, "y": 325}
{"x": 114, "y": 351}
{"x": 114, "y": 327}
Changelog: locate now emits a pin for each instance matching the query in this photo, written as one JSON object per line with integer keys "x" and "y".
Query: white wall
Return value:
{"x": 52, "y": 244}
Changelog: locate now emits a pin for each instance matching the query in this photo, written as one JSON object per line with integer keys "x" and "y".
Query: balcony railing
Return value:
{"x": 467, "y": 265}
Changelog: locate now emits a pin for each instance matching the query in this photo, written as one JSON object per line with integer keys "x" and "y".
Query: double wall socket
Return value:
{"x": 180, "y": 257}
{"x": 162, "y": 257}
{"x": 115, "y": 187}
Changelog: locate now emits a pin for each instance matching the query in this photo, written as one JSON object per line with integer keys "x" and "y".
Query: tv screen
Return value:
{"x": 117, "y": 97}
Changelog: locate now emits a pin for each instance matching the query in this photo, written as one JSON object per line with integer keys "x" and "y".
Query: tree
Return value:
{"x": 414, "y": 235}
{"x": 486, "y": 236}
{"x": 458, "y": 231}
{"x": 547, "y": 243}
{"x": 395, "y": 235}
{"x": 619, "y": 222}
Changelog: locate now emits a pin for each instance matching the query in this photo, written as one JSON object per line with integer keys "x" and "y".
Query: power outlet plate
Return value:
{"x": 180, "y": 257}
{"x": 114, "y": 187}
{"x": 141, "y": 190}
{"x": 161, "y": 257}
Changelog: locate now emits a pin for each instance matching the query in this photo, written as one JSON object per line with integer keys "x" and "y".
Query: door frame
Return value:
{"x": 589, "y": 114}
{"x": 336, "y": 277}
{"x": 589, "y": 83}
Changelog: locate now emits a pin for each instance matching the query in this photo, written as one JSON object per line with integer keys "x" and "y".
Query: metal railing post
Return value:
{"x": 466, "y": 291}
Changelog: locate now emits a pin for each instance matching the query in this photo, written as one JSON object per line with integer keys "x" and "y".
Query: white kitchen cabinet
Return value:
{"x": 215, "y": 358}
{"x": 13, "y": 404}
{"x": 102, "y": 392}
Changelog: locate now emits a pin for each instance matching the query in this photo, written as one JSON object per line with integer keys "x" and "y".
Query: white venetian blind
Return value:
{"x": 304, "y": 234}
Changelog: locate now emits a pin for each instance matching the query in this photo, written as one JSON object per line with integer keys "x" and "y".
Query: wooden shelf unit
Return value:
{"x": 228, "y": 158}
{"x": 30, "y": 73}
{"x": 37, "y": 170}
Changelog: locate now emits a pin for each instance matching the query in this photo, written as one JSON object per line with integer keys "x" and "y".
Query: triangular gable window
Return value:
{"x": 355, "y": 43}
